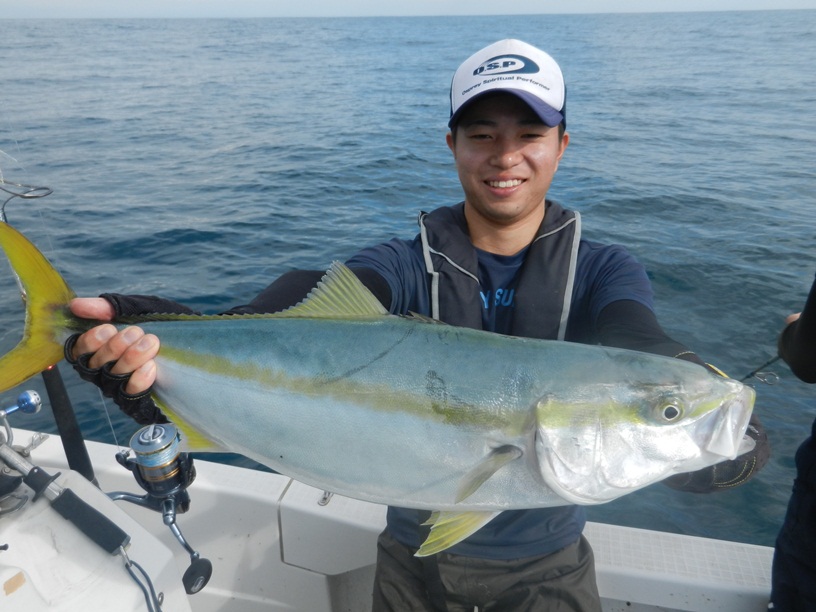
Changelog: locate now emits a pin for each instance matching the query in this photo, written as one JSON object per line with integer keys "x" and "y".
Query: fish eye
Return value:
{"x": 671, "y": 412}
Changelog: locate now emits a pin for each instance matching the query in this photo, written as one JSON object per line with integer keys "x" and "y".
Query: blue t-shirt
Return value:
{"x": 604, "y": 274}
{"x": 498, "y": 276}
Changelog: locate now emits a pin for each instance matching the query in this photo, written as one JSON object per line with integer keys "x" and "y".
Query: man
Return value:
{"x": 506, "y": 260}
{"x": 793, "y": 578}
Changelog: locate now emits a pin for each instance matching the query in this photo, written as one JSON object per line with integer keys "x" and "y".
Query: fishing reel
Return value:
{"x": 164, "y": 473}
{"x": 28, "y": 402}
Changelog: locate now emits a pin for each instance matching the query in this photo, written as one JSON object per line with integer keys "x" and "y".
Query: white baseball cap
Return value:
{"x": 515, "y": 67}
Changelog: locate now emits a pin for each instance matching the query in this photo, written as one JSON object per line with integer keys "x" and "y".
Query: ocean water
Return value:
{"x": 200, "y": 159}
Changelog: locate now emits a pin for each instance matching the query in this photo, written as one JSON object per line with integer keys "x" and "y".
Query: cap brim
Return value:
{"x": 545, "y": 112}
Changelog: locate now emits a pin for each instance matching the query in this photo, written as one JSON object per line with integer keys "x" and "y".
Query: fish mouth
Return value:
{"x": 728, "y": 439}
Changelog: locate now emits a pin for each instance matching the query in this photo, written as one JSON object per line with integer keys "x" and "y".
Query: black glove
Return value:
{"x": 731, "y": 473}
{"x": 125, "y": 306}
{"x": 141, "y": 408}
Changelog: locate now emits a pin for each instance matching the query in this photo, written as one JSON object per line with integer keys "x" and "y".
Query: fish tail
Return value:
{"x": 46, "y": 296}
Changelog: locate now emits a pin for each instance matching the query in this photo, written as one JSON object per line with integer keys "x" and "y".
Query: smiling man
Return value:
{"x": 506, "y": 259}
{"x": 506, "y": 157}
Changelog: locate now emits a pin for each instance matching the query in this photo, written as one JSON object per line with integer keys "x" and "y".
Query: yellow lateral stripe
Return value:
{"x": 380, "y": 398}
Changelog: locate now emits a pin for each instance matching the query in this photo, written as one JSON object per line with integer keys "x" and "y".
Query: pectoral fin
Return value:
{"x": 450, "y": 528}
{"x": 495, "y": 460}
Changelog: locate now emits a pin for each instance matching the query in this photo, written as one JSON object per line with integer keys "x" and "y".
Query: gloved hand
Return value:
{"x": 731, "y": 473}
{"x": 140, "y": 407}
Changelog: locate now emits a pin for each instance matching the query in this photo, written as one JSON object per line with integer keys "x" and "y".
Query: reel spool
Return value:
{"x": 160, "y": 466}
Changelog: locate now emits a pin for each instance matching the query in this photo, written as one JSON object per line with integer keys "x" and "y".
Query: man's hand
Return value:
{"x": 131, "y": 349}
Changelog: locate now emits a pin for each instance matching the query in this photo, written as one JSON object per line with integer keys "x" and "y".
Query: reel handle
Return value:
{"x": 29, "y": 402}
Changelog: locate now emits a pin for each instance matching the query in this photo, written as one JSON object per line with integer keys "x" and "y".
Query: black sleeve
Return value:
{"x": 134, "y": 305}
{"x": 292, "y": 287}
{"x": 289, "y": 289}
{"x": 797, "y": 343}
{"x": 631, "y": 325}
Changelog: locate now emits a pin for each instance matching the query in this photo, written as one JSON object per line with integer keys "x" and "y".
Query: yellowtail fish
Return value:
{"x": 340, "y": 395}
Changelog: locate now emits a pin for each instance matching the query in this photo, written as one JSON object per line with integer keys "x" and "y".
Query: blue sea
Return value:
{"x": 200, "y": 159}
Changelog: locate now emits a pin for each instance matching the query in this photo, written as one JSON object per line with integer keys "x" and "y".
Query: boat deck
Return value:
{"x": 275, "y": 547}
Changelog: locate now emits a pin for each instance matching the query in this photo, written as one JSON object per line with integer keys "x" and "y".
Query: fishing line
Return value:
{"x": 108, "y": 417}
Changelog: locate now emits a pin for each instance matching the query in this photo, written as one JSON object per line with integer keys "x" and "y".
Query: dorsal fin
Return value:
{"x": 339, "y": 294}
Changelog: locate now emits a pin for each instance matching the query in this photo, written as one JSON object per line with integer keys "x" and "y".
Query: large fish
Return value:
{"x": 338, "y": 394}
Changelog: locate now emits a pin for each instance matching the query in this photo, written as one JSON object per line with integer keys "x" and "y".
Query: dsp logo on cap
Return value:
{"x": 506, "y": 64}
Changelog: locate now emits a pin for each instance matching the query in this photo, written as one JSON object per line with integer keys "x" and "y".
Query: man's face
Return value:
{"x": 506, "y": 159}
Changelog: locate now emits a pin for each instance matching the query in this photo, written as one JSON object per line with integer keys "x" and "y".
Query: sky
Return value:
{"x": 353, "y": 8}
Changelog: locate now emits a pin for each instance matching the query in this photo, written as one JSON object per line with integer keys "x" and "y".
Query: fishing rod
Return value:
{"x": 769, "y": 378}
{"x": 24, "y": 192}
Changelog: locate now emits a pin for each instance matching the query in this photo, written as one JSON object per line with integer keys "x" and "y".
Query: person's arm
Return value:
{"x": 797, "y": 342}
{"x": 631, "y": 325}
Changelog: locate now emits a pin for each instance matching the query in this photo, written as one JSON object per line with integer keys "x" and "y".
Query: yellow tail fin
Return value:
{"x": 46, "y": 298}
